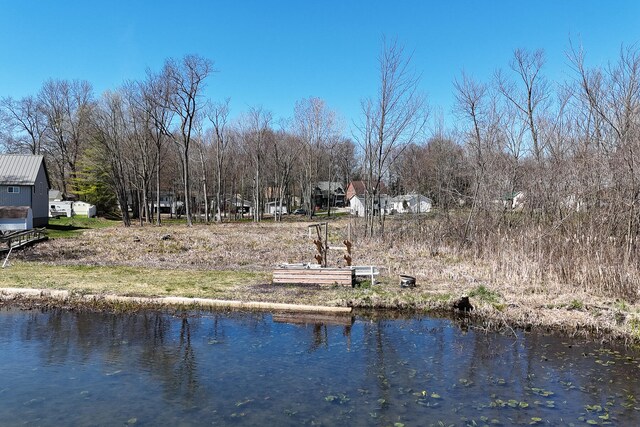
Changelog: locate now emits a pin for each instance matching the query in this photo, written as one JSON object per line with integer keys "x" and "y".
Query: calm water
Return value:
{"x": 66, "y": 368}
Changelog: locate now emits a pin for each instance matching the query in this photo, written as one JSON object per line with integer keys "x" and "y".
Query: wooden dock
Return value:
{"x": 314, "y": 276}
{"x": 18, "y": 239}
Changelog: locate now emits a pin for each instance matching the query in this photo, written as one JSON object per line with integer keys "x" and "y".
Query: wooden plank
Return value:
{"x": 312, "y": 282}
{"x": 327, "y": 276}
{"x": 319, "y": 276}
{"x": 315, "y": 272}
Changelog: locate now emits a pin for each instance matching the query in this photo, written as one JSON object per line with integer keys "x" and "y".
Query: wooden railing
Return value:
{"x": 21, "y": 238}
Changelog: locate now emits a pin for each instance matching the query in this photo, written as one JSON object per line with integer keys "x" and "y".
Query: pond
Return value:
{"x": 62, "y": 367}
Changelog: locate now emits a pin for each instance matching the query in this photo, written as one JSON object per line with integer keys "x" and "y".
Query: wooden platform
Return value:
{"x": 314, "y": 276}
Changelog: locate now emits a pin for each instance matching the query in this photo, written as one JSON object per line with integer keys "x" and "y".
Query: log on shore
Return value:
{"x": 10, "y": 293}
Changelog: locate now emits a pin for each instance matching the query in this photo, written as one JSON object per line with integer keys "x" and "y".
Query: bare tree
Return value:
{"x": 285, "y": 150}
{"x": 110, "y": 132}
{"x": 472, "y": 104}
{"x": 391, "y": 121}
{"x": 186, "y": 81}
{"x": 218, "y": 115}
{"x": 26, "y": 123}
{"x": 67, "y": 108}
{"x": 315, "y": 124}
{"x": 255, "y": 130}
{"x": 530, "y": 100}
{"x": 140, "y": 122}
{"x": 155, "y": 101}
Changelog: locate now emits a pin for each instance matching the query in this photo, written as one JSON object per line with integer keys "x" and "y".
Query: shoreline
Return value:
{"x": 482, "y": 318}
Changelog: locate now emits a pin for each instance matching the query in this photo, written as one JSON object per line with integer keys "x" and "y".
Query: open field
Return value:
{"x": 235, "y": 260}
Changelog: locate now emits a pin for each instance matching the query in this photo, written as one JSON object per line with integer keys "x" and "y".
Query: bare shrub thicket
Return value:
{"x": 571, "y": 150}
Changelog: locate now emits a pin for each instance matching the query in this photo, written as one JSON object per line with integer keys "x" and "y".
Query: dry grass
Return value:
{"x": 234, "y": 261}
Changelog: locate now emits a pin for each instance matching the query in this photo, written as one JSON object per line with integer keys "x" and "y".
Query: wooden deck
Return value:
{"x": 18, "y": 239}
{"x": 314, "y": 276}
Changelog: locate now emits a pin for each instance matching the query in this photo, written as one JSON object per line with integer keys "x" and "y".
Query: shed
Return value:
{"x": 14, "y": 218}
{"x": 84, "y": 209}
{"x": 24, "y": 182}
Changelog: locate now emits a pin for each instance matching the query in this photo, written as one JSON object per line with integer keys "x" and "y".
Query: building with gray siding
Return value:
{"x": 24, "y": 181}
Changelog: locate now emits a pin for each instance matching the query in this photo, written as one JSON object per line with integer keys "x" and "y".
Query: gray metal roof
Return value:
{"x": 19, "y": 169}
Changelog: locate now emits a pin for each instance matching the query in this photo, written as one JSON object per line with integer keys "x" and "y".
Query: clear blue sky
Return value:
{"x": 272, "y": 53}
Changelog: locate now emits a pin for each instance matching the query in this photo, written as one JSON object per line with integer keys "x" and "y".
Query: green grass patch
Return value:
{"x": 484, "y": 294}
{"x": 62, "y": 228}
{"x": 128, "y": 281}
{"x": 575, "y": 305}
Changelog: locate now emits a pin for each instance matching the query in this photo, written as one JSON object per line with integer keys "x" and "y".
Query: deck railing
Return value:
{"x": 16, "y": 239}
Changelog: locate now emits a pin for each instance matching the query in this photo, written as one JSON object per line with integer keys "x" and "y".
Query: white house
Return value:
{"x": 24, "y": 182}
{"x": 410, "y": 203}
{"x": 357, "y": 205}
{"x": 357, "y": 194}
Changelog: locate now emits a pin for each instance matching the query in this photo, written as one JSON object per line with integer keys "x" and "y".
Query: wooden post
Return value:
{"x": 326, "y": 242}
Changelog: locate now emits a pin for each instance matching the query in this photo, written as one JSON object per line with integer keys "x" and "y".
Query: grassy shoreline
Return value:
{"x": 234, "y": 262}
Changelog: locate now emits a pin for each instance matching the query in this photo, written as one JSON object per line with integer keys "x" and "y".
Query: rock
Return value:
{"x": 407, "y": 281}
{"x": 166, "y": 237}
{"x": 136, "y": 239}
{"x": 463, "y": 304}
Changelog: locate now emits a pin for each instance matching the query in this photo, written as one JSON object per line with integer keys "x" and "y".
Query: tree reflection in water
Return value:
{"x": 73, "y": 367}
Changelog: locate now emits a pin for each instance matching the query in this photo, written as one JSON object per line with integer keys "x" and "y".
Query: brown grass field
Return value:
{"x": 235, "y": 260}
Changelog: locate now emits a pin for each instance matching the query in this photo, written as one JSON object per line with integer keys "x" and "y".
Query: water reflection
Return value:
{"x": 66, "y": 367}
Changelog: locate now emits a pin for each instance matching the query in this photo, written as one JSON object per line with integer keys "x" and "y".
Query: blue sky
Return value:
{"x": 272, "y": 53}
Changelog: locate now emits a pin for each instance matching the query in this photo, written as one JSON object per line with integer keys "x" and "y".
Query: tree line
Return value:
{"x": 570, "y": 148}
{"x": 161, "y": 135}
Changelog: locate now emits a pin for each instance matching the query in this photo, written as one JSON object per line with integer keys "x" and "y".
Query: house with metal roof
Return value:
{"x": 24, "y": 183}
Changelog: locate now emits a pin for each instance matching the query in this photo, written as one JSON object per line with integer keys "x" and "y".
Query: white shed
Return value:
{"x": 14, "y": 218}
{"x": 84, "y": 209}
{"x": 357, "y": 205}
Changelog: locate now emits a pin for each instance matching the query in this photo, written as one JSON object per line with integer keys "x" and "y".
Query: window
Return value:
{"x": 14, "y": 190}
